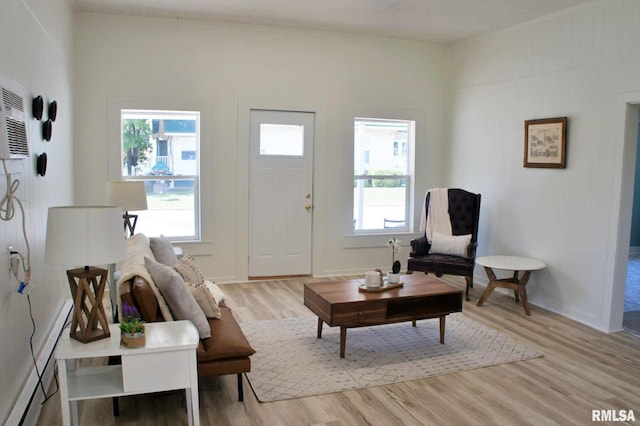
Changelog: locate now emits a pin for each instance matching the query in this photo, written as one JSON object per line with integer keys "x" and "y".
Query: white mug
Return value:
{"x": 372, "y": 279}
{"x": 393, "y": 278}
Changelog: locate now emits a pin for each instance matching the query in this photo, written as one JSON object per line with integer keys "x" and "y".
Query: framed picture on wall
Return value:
{"x": 545, "y": 143}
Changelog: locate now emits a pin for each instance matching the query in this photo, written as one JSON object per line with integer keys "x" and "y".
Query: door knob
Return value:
{"x": 308, "y": 195}
{"x": 307, "y": 206}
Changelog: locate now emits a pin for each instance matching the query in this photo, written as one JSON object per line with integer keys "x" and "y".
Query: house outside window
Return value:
{"x": 381, "y": 180}
{"x": 153, "y": 149}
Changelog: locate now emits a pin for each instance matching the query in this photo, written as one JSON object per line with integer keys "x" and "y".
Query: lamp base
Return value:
{"x": 130, "y": 221}
{"x": 89, "y": 322}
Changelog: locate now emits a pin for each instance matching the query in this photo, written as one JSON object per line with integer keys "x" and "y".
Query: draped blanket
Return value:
{"x": 437, "y": 219}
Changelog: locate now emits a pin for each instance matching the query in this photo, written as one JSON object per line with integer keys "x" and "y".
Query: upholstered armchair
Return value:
{"x": 464, "y": 213}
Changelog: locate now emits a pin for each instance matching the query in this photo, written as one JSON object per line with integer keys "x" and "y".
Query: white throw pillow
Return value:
{"x": 455, "y": 245}
{"x": 216, "y": 291}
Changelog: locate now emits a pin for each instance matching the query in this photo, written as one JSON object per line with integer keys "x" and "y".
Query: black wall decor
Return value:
{"x": 37, "y": 105}
{"x": 53, "y": 110}
{"x": 46, "y": 130}
{"x": 41, "y": 164}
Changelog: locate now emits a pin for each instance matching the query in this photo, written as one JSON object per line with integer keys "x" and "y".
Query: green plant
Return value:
{"x": 131, "y": 321}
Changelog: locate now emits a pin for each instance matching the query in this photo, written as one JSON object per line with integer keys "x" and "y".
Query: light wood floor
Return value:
{"x": 582, "y": 369}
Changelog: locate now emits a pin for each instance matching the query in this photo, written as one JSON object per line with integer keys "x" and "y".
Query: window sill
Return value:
{"x": 357, "y": 241}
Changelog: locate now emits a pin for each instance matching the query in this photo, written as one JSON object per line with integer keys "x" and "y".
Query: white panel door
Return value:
{"x": 280, "y": 193}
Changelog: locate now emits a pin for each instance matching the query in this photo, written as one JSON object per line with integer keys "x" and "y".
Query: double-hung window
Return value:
{"x": 161, "y": 148}
{"x": 381, "y": 177}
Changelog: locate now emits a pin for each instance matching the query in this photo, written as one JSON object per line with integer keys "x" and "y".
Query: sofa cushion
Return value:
{"x": 181, "y": 301}
{"x": 205, "y": 300}
{"x": 227, "y": 339}
{"x": 188, "y": 269}
{"x": 126, "y": 296}
{"x": 146, "y": 300}
{"x": 163, "y": 250}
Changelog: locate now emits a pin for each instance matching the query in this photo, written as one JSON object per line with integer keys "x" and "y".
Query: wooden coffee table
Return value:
{"x": 340, "y": 303}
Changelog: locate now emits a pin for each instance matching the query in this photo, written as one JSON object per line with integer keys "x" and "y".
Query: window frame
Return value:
{"x": 182, "y": 177}
{"x": 408, "y": 176}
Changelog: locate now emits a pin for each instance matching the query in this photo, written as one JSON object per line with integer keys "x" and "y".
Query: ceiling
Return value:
{"x": 442, "y": 21}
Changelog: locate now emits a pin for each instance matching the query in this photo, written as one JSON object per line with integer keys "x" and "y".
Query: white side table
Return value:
{"x": 518, "y": 285}
{"x": 167, "y": 362}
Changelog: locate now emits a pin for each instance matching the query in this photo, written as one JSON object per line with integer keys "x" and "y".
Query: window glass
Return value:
{"x": 281, "y": 139}
{"x": 381, "y": 180}
{"x": 159, "y": 148}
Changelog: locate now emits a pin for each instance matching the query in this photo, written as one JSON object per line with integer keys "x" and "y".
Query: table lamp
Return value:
{"x": 131, "y": 196}
{"x": 86, "y": 235}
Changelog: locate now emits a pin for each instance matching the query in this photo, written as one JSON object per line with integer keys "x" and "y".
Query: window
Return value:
{"x": 158, "y": 147}
{"x": 281, "y": 139}
{"x": 381, "y": 180}
{"x": 188, "y": 155}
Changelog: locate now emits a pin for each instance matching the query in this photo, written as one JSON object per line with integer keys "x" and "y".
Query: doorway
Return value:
{"x": 280, "y": 193}
{"x": 631, "y": 316}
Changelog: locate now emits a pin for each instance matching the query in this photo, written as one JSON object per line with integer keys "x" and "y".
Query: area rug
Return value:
{"x": 290, "y": 362}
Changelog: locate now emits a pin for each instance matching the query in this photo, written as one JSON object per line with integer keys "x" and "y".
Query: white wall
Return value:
{"x": 35, "y": 51}
{"x": 583, "y": 64}
{"x": 223, "y": 70}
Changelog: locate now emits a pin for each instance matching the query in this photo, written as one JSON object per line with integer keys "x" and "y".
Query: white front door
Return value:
{"x": 280, "y": 193}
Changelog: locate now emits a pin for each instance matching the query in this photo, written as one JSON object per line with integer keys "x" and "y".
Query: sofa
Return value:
{"x": 222, "y": 350}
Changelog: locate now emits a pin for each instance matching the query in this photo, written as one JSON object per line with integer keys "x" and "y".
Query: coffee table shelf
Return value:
{"x": 428, "y": 307}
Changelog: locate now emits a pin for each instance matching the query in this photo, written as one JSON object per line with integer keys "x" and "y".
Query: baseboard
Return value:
{"x": 633, "y": 250}
{"x": 27, "y": 408}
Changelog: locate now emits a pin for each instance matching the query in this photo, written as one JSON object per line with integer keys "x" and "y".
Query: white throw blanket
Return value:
{"x": 438, "y": 219}
{"x": 137, "y": 249}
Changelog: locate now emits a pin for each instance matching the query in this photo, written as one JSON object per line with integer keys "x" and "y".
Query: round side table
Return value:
{"x": 516, "y": 264}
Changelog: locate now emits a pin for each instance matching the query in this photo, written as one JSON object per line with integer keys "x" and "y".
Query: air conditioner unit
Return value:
{"x": 13, "y": 121}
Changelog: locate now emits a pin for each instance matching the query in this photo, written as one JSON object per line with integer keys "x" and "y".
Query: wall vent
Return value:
{"x": 13, "y": 121}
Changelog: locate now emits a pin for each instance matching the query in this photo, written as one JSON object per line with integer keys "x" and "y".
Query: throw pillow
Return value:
{"x": 215, "y": 291}
{"x": 182, "y": 303}
{"x": 163, "y": 250}
{"x": 455, "y": 245}
{"x": 188, "y": 269}
{"x": 204, "y": 298}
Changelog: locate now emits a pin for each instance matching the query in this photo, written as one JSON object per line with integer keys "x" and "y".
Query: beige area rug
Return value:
{"x": 290, "y": 362}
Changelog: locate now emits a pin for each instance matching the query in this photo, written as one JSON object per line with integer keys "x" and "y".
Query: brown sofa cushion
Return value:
{"x": 227, "y": 339}
{"x": 146, "y": 301}
{"x": 126, "y": 297}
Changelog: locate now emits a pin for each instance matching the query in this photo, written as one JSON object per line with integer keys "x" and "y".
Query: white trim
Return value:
{"x": 29, "y": 402}
{"x": 377, "y": 240}
{"x": 634, "y": 250}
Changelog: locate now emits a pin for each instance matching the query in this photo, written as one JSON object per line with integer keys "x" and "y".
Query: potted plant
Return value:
{"x": 131, "y": 327}
{"x": 394, "y": 275}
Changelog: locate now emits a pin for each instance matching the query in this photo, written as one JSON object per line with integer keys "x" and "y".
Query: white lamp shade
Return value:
{"x": 129, "y": 195}
{"x": 84, "y": 236}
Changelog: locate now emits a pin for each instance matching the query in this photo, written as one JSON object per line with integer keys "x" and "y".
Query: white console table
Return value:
{"x": 166, "y": 362}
